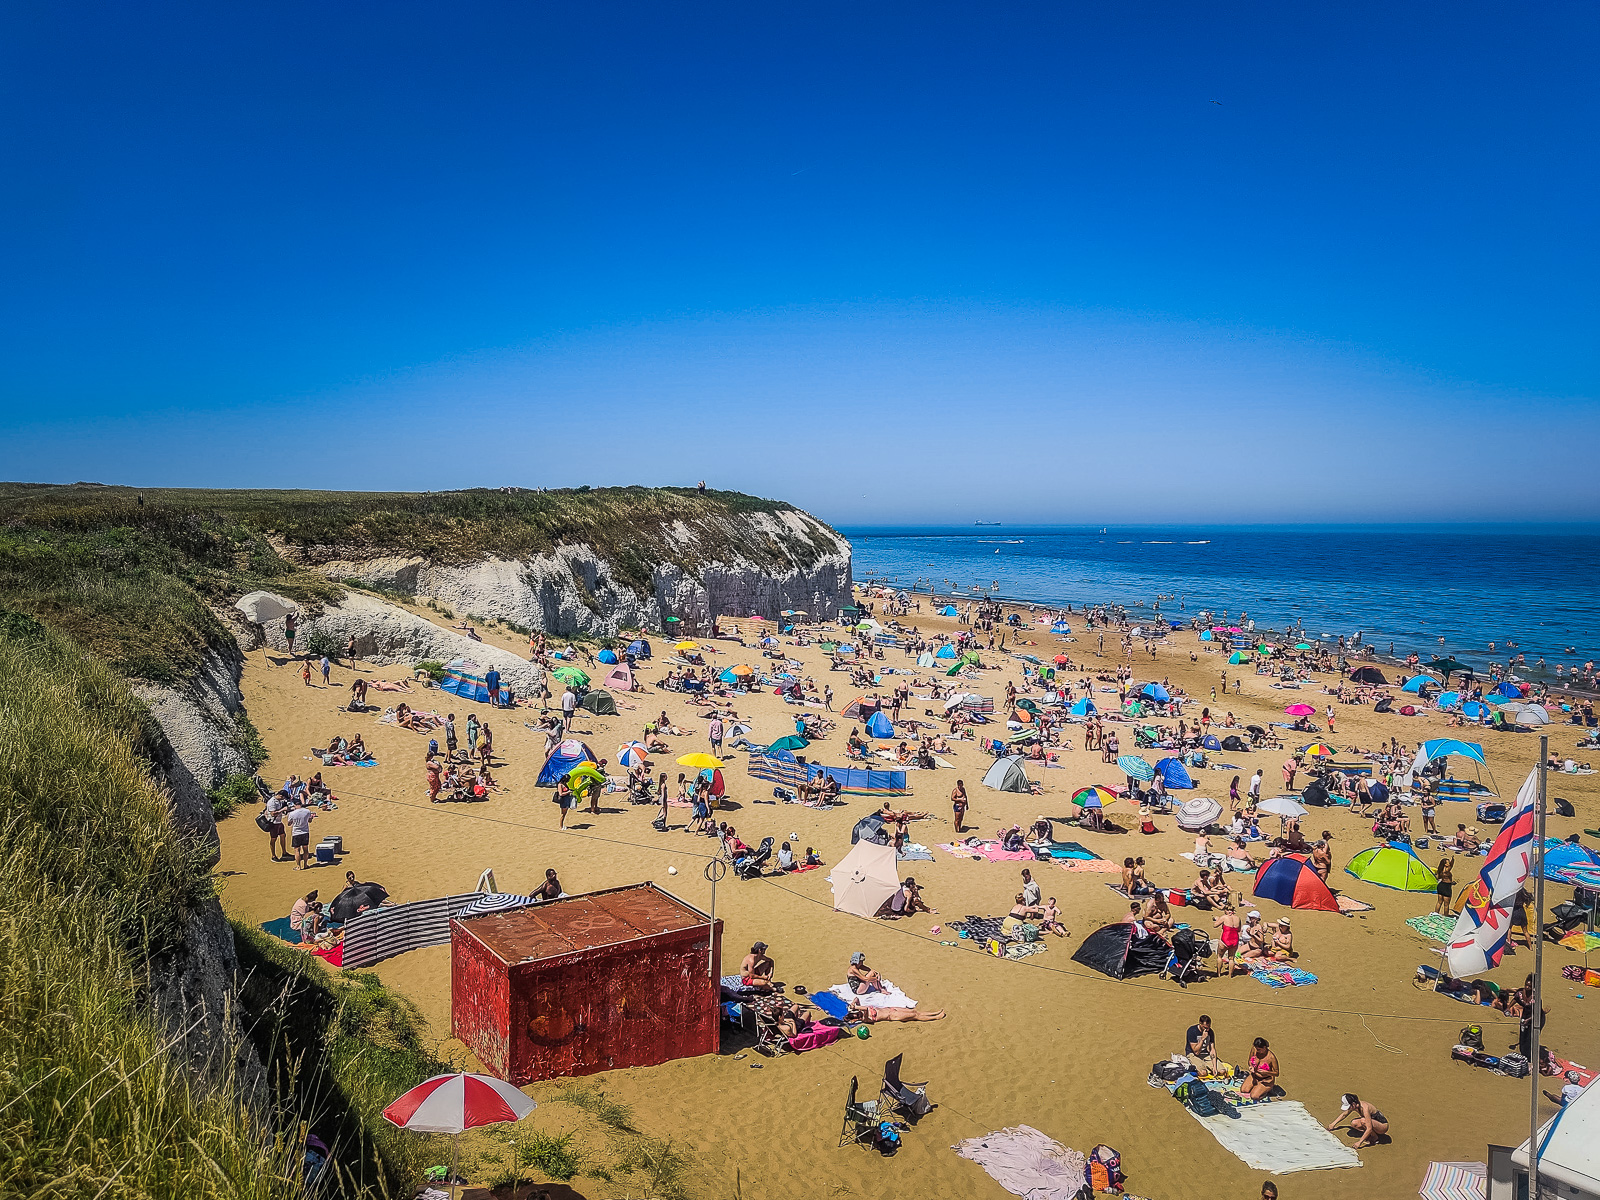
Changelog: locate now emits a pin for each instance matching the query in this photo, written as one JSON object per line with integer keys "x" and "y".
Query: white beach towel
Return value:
{"x": 889, "y": 997}
{"x": 1027, "y": 1163}
{"x": 1280, "y": 1136}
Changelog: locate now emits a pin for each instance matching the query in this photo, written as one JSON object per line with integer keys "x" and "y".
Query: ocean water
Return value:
{"x": 1406, "y": 585}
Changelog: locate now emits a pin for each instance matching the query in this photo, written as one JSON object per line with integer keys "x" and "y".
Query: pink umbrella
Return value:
{"x": 453, "y": 1103}
{"x": 1301, "y": 710}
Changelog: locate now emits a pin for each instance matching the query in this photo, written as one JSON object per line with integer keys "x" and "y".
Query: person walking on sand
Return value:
{"x": 569, "y": 706}
{"x": 277, "y": 807}
{"x": 305, "y": 673}
{"x": 714, "y": 732}
{"x": 326, "y": 668}
{"x": 1255, "y": 787}
{"x": 565, "y": 800}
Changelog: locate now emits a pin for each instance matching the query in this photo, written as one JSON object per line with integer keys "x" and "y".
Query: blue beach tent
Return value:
{"x": 946, "y": 651}
{"x": 1446, "y": 699}
{"x": 609, "y": 657}
{"x": 949, "y": 610}
{"x": 568, "y": 753}
{"x": 1155, "y": 692}
{"x": 1174, "y": 773}
{"x": 1082, "y": 707}
{"x": 1210, "y": 742}
{"x": 1205, "y": 636}
{"x": 879, "y": 726}
{"x": 464, "y": 678}
{"x": 1416, "y": 683}
{"x": 1439, "y": 747}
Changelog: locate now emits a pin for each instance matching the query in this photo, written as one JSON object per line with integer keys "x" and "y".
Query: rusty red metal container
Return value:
{"x": 588, "y": 983}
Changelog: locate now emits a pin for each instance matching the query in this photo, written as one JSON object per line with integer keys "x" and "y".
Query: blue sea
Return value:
{"x": 1405, "y": 585}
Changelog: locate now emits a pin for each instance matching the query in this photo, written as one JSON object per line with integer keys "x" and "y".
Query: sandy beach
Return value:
{"x": 1042, "y": 1041}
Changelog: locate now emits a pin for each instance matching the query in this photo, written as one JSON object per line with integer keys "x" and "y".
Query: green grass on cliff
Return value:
{"x": 133, "y": 575}
{"x": 94, "y": 882}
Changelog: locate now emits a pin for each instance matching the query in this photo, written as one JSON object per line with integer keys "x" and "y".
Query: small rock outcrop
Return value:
{"x": 386, "y": 634}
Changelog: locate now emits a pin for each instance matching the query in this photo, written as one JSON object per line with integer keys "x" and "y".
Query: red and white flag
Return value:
{"x": 1485, "y": 921}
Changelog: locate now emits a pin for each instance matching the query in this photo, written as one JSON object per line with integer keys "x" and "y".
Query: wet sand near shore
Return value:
{"x": 1042, "y": 1041}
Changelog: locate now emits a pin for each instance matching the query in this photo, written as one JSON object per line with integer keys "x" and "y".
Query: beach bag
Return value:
{"x": 1167, "y": 1071}
{"x": 1472, "y": 1036}
{"x": 262, "y": 823}
{"x": 1105, "y": 1169}
{"x": 1514, "y": 1065}
{"x": 1572, "y": 971}
{"x": 1564, "y": 808}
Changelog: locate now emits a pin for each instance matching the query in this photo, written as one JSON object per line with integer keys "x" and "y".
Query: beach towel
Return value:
{"x": 1066, "y": 850}
{"x": 989, "y": 851}
{"x": 280, "y": 928}
{"x": 1562, "y": 1066}
{"x": 1281, "y": 1137}
{"x": 1280, "y": 975}
{"x": 332, "y": 955}
{"x": 1103, "y": 866}
{"x": 1580, "y": 941}
{"x": 1349, "y": 904}
{"x": 981, "y": 929}
{"x": 1027, "y": 1163}
{"x": 815, "y": 1037}
{"x": 1434, "y": 925}
{"x": 1455, "y": 1181}
{"x": 889, "y": 997}
{"x": 912, "y": 851}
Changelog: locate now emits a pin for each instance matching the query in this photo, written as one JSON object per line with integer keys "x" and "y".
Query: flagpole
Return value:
{"x": 1538, "y": 964}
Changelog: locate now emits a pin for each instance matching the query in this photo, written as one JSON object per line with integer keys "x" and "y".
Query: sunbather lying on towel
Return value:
{"x": 871, "y": 1016}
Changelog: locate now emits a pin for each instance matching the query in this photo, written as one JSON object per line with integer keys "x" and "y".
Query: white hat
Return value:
{"x": 1253, "y": 915}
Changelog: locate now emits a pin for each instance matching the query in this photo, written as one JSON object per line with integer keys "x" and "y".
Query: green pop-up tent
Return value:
{"x": 1394, "y": 865}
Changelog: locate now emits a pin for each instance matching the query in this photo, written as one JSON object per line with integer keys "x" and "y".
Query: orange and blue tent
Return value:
{"x": 1290, "y": 881}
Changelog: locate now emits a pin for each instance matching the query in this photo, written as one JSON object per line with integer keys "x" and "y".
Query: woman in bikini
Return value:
{"x": 1263, "y": 1071}
{"x": 1364, "y": 1119}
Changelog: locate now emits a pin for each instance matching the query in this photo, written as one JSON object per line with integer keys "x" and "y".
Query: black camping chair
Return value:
{"x": 750, "y": 866}
{"x": 909, "y": 1100}
{"x": 860, "y": 1119}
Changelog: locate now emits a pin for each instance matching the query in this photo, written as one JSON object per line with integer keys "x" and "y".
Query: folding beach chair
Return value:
{"x": 861, "y": 1119}
{"x": 910, "y": 1100}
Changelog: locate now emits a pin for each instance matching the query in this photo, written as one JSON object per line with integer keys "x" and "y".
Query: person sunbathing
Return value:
{"x": 1257, "y": 943}
{"x": 860, "y": 977}
{"x": 872, "y": 1016}
{"x": 1156, "y": 916}
{"x": 1239, "y": 857}
{"x": 1282, "y": 942}
{"x": 755, "y": 972}
{"x": 1263, "y": 1071}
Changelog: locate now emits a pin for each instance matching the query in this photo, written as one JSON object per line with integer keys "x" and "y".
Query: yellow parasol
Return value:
{"x": 701, "y": 762}
{"x": 686, "y": 646}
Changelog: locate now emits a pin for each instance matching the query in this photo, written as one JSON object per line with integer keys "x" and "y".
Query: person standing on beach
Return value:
{"x": 569, "y": 706}
{"x": 1290, "y": 766}
{"x": 1255, "y": 786}
{"x": 305, "y": 673}
{"x": 450, "y": 736}
{"x": 326, "y": 667}
{"x": 714, "y": 732}
{"x": 299, "y": 821}
{"x": 290, "y": 625}
{"x": 958, "y": 803}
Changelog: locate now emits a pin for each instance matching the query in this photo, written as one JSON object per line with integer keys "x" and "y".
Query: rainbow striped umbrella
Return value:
{"x": 1318, "y": 750}
{"x": 1094, "y": 796}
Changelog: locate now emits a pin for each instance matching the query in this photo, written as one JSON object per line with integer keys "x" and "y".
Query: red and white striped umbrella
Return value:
{"x": 452, "y": 1103}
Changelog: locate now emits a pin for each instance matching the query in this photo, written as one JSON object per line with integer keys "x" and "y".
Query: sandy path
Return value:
{"x": 1041, "y": 1041}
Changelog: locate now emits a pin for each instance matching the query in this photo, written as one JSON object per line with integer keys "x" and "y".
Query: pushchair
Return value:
{"x": 749, "y": 867}
{"x": 1183, "y": 963}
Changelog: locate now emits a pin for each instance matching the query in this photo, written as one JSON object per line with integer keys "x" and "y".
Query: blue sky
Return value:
{"x": 892, "y": 263}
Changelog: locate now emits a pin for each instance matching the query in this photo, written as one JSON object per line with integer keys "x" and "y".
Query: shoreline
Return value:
{"x": 1260, "y": 632}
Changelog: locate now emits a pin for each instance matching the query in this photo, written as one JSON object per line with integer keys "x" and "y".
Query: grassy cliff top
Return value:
{"x": 132, "y": 573}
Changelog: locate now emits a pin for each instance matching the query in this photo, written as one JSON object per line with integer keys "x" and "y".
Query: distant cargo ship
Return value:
{"x": 986, "y": 522}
